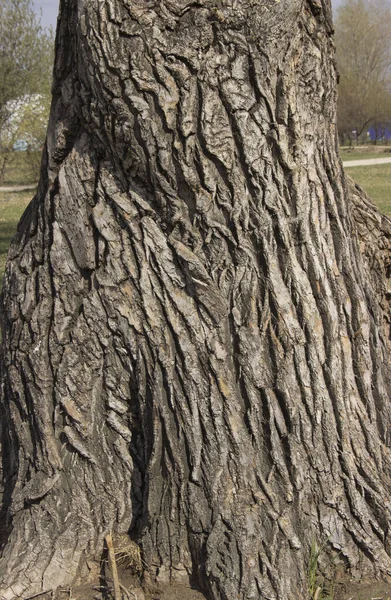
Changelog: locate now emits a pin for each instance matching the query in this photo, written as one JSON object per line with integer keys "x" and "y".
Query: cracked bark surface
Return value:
{"x": 195, "y": 309}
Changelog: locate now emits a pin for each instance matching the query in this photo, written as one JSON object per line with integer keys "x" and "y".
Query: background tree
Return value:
{"x": 363, "y": 58}
{"x": 196, "y": 310}
{"x": 26, "y": 65}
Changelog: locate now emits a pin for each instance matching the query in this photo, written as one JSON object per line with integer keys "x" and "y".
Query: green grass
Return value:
{"x": 364, "y": 152}
{"x": 376, "y": 181}
{"x": 318, "y": 588}
{"x": 22, "y": 169}
{"x": 12, "y": 205}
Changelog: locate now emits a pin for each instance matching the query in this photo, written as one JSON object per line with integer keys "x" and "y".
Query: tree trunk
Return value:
{"x": 196, "y": 349}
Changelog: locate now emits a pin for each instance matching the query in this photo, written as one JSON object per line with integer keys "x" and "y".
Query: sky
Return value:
{"x": 336, "y": 3}
{"x": 50, "y": 8}
{"x": 49, "y": 11}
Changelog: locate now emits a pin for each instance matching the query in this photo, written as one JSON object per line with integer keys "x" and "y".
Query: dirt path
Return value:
{"x": 18, "y": 188}
{"x": 366, "y": 162}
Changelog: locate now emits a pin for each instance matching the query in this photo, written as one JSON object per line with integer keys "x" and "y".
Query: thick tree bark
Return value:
{"x": 195, "y": 346}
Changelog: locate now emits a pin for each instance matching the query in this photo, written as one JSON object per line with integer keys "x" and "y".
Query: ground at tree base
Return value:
{"x": 102, "y": 590}
{"x": 100, "y": 587}
{"x": 364, "y": 591}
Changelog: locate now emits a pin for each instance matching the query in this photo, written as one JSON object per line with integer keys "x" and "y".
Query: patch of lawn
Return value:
{"x": 22, "y": 169}
{"x": 364, "y": 152}
{"x": 12, "y": 205}
{"x": 376, "y": 181}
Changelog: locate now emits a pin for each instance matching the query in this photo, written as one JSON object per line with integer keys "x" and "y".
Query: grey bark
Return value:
{"x": 195, "y": 309}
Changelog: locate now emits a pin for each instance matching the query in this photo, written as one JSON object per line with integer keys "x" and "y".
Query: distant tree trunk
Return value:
{"x": 195, "y": 328}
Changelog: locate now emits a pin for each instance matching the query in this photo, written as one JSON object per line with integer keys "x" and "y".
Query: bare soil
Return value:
{"x": 371, "y": 590}
{"x": 95, "y": 592}
{"x": 102, "y": 590}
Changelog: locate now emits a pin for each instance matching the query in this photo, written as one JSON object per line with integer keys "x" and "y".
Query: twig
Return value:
{"x": 128, "y": 593}
{"x": 113, "y": 564}
{"x": 40, "y": 594}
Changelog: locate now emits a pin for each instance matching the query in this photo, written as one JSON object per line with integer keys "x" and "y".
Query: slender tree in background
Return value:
{"x": 26, "y": 65}
{"x": 195, "y": 309}
{"x": 362, "y": 38}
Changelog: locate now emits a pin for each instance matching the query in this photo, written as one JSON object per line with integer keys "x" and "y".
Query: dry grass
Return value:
{"x": 127, "y": 554}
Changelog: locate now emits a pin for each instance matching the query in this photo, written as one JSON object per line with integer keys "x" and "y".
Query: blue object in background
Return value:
{"x": 379, "y": 133}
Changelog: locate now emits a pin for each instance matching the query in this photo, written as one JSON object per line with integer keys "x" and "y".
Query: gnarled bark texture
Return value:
{"x": 195, "y": 345}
